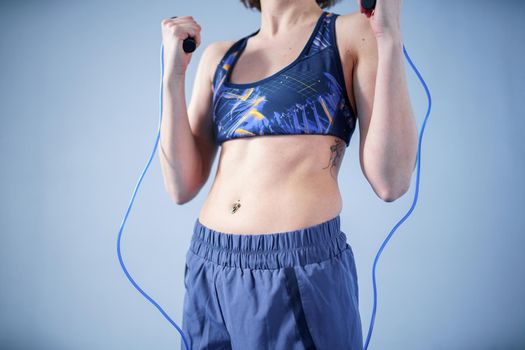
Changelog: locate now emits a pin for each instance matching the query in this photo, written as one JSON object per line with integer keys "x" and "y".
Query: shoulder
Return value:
{"x": 355, "y": 34}
{"x": 213, "y": 53}
{"x": 217, "y": 49}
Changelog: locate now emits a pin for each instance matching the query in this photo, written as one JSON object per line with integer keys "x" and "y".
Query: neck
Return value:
{"x": 280, "y": 16}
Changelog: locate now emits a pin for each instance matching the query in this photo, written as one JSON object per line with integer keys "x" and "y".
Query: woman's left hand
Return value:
{"x": 385, "y": 18}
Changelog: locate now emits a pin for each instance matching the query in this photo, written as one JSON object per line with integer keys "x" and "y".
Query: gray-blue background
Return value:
{"x": 79, "y": 115}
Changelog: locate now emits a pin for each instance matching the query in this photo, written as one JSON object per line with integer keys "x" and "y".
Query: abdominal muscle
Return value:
{"x": 277, "y": 183}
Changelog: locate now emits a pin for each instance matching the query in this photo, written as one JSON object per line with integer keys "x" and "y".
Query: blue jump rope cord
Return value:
{"x": 418, "y": 163}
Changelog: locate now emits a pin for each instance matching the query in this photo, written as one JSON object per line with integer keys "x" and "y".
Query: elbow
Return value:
{"x": 390, "y": 196}
{"x": 178, "y": 197}
{"x": 179, "y": 200}
{"x": 182, "y": 192}
{"x": 393, "y": 193}
{"x": 181, "y": 197}
{"x": 395, "y": 187}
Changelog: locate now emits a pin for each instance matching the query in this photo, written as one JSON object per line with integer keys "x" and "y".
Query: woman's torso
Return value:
{"x": 282, "y": 182}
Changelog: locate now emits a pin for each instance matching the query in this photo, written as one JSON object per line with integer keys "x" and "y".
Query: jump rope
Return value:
{"x": 188, "y": 46}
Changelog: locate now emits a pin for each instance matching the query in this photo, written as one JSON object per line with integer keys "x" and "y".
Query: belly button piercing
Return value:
{"x": 236, "y": 206}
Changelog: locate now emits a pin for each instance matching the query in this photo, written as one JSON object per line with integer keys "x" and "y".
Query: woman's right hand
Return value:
{"x": 174, "y": 31}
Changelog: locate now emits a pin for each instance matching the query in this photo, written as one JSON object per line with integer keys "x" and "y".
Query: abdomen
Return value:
{"x": 276, "y": 183}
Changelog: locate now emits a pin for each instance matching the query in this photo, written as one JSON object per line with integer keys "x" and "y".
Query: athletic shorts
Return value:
{"x": 290, "y": 290}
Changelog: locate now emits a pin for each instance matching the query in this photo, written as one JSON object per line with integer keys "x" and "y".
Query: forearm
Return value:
{"x": 391, "y": 142}
{"x": 179, "y": 155}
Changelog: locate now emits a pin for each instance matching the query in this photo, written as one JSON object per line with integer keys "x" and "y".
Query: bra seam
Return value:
{"x": 347, "y": 143}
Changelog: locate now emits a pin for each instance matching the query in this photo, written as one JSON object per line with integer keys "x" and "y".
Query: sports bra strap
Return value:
{"x": 321, "y": 38}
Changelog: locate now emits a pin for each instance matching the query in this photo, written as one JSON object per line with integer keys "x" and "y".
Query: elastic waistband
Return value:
{"x": 269, "y": 251}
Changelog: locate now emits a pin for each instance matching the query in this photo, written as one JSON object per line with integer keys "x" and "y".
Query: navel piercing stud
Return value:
{"x": 236, "y": 206}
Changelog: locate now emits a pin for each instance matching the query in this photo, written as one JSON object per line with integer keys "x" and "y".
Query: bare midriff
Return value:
{"x": 274, "y": 184}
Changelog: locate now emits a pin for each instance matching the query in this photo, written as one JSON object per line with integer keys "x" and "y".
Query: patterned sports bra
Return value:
{"x": 306, "y": 97}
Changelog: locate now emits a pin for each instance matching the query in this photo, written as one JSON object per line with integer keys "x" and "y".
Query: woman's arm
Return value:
{"x": 387, "y": 128}
{"x": 187, "y": 149}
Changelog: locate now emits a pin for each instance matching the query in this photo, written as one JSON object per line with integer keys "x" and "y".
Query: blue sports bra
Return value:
{"x": 306, "y": 97}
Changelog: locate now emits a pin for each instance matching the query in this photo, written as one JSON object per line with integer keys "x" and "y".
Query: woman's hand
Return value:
{"x": 174, "y": 31}
{"x": 385, "y": 18}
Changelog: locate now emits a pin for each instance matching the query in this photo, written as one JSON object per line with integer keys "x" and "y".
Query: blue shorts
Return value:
{"x": 291, "y": 290}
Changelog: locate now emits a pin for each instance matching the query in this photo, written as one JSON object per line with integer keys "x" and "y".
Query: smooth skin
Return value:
{"x": 268, "y": 184}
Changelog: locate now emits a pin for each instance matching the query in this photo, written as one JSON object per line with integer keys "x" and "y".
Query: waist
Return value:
{"x": 237, "y": 207}
{"x": 307, "y": 245}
